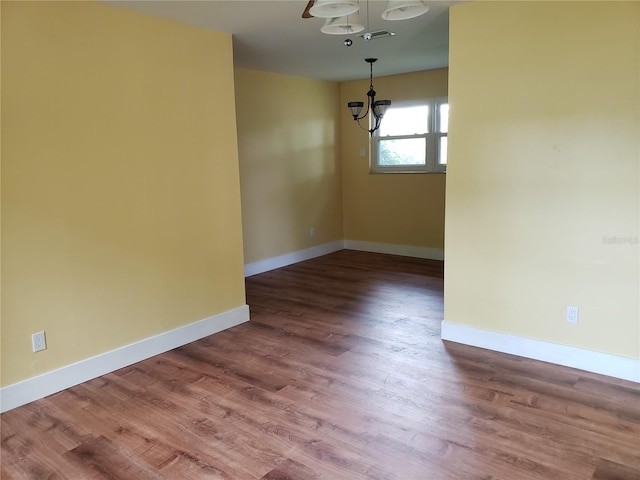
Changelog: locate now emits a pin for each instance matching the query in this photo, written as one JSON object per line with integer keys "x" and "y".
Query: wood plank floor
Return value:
{"x": 340, "y": 374}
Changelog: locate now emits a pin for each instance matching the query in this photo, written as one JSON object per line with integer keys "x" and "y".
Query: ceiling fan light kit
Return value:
{"x": 334, "y": 8}
{"x": 404, "y": 9}
{"x": 343, "y": 25}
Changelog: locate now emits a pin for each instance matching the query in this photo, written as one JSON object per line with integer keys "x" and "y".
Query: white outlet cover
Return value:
{"x": 38, "y": 341}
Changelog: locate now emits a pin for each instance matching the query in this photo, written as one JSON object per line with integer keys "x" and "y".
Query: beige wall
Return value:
{"x": 290, "y": 176}
{"x": 120, "y": 190}
{"x": 543, "y": 179}
{"x": 400, "y": 209}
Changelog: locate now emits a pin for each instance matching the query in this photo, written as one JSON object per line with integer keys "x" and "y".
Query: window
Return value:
{"x": 412, "y": 138}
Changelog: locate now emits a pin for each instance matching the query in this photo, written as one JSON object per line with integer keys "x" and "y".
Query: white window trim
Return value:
{"x": 432, "y": 142}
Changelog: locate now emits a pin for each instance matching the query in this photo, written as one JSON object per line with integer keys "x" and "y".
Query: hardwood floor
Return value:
{"x": 340, "y": 374}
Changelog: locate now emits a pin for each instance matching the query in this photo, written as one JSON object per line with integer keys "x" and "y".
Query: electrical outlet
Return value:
{"x": 312, "y": 232}
{"x": 572, "y": 314}
{"x": 38, "y": 341}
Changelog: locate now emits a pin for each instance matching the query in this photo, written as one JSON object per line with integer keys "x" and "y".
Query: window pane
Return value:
{"x": 443, "y": 118}
{"x": 442, "y": 151}
{"x": 405, "y": 151}
{"x": 405, "y": 120}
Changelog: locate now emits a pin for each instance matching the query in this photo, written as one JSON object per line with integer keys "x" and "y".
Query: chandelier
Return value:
{"x": 376, "y": 107}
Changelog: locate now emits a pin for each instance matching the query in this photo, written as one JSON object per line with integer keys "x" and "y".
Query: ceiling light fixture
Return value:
{"x": 404, "y": 9}
{"x": 333, "y": 8}
{"x": 343, "y": 10}
{"x": 343, "y": 25}
{"x": 376, "y": 107}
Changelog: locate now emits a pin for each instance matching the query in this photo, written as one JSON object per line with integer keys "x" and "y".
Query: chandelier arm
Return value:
{"x": 377, "y": 124}
{"x": 360, "y": 125}
{"x": 375, "y": 127}
{"x": 365, "y": 113}
{"x": 371, "y": 98}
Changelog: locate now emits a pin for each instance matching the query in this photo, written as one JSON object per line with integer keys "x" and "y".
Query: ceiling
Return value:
{"x": 271, "y": 36}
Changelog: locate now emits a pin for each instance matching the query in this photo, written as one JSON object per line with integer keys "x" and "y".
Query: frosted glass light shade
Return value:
{"x": 404, "y": 9}
{"x": 380, "y": 106}
{"x": 334, "y": 8}
{"x": 356, "y": 108}
{"x": 342, "y": 25}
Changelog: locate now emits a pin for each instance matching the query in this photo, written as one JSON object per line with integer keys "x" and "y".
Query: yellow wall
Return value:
{"x": 120, "y": 191}
{"x": 400, "y": 209}
{"x": 543, "y": 177}
{"x": 288, "y": 141}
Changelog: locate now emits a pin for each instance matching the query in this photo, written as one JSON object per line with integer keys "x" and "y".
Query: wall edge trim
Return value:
{"x": 40, "y": 386}
{"x": 392, "y": 249}
{"x": 262, "y": 266}
{"x": 591, "y": 361}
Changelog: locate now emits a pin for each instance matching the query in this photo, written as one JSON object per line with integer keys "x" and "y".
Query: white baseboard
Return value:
{"x": 588, "y": 360}
{"x": 404, "y": 250}
{"x": 34, "y": 388}
{"x": 291, "y": 258}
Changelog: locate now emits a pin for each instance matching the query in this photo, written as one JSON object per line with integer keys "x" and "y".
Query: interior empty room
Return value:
{"x": 211, "y": 267}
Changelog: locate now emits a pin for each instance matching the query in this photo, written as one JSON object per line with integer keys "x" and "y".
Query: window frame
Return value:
{"x": 432, "y": 141}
